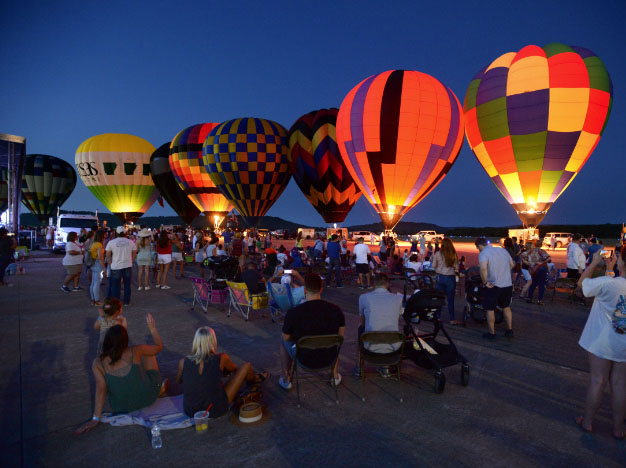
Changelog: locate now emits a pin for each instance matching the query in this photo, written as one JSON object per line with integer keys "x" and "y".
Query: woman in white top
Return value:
{"x": 604, "y": 338}
{"x": 73, "y": 263}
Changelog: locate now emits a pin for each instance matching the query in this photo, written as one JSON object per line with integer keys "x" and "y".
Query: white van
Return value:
{"x": 67, "y": 223}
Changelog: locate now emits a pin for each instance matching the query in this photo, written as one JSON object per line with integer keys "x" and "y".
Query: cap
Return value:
{"x": 120, "y": 230}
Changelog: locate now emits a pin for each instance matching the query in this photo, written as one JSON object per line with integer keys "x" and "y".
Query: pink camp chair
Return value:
{"x": 201, "y": 293}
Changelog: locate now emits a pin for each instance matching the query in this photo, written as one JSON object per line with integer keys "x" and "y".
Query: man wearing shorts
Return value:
{"x": 495, "y": 273}
{"x": 361, "y": 251}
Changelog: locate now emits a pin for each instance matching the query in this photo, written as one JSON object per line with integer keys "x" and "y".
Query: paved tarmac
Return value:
{"x": 518, "y": 409}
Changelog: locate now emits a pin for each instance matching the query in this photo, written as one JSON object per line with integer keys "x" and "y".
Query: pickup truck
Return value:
{"x": 429, "y": 235}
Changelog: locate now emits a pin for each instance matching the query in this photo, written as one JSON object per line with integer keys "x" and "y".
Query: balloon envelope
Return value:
{"x": 533, "y": 118}
{"x": 247, "y": 160}
{"x": 46, "y": 183}
{"x": 168, "y": 187}
{"x": 318, "y": 168}
{"x": 116, "y": 169}
{"x": 189, "y": 171}
{"x": 399, "y": 132}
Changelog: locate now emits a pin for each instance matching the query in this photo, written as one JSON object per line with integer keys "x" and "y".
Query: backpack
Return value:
{"x": 88, "y": 259}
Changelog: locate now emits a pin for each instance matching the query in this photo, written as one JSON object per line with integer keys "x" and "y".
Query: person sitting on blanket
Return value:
{"x": 128, "y": 376}
{"x": 201, "y": 373}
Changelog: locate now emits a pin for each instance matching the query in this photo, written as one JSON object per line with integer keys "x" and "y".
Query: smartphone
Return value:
{"x": 288, "y": 272}
{"x": 607, "y": 253}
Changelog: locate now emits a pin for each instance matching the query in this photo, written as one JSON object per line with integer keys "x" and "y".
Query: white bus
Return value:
{"x": 67, "y": 223}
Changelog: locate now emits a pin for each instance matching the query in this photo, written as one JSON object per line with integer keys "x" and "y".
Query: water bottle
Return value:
{"x": 157, "y": 442}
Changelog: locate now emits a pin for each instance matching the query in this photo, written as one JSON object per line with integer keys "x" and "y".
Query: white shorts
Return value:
{"x": 163, "y": 259}
{"x": 177, "y": 256}
{"x": 526, "y": 274}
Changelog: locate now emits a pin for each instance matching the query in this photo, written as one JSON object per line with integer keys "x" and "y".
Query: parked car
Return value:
{"x": 562, "y": 239}
{"x": 366, "y": 235}
{"x": 429, "y": 235}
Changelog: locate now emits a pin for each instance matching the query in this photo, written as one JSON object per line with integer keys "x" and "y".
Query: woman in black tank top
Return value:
{"x": 201, "y": 374}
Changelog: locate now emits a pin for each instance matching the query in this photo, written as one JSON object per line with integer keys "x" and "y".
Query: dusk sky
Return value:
{"x": 72, "y": 70}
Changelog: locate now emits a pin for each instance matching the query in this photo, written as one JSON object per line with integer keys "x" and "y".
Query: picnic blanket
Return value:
{"x": 166, "y": 412}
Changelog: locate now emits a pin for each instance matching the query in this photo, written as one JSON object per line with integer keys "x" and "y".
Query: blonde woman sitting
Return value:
{"x": 201, "y": 375}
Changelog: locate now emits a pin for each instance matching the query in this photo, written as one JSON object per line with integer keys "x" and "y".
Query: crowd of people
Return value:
{"x": 116, "y": 369}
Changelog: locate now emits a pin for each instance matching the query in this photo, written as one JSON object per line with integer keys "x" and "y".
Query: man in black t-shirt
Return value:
{"x": 313, "y": 317}
{"x": 253, "y": 279}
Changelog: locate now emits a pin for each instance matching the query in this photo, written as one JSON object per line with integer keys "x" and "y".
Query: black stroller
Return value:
{"x": 474, "y": 301}
{"x": 223, "y": 268}
{"x": 423, "y": 348}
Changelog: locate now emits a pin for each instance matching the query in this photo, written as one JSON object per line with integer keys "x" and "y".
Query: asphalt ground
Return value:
{"x": 518, "y": 409}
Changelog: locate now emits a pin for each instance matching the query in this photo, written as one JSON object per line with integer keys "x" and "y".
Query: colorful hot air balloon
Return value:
{"x": 46, "y": 183}
{"x": 399, "y": 132}
{"x": 116, "y": 168}
{"x": 247, "y": 160}
{"x": 533, "y": 118}
{"x": 167, "y": 185}
{"x": 318, "y": 168}
{"x": 191, "y": 175}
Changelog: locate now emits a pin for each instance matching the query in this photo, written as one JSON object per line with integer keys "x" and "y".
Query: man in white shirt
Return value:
{"x": 361, "y": 251}
{"x": 575, "y": 258}
{"x": 121, "y": 253}
{"x": 495, "y": 273}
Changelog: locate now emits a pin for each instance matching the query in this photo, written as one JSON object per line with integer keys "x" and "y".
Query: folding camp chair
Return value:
{"x": 243, "y": 301}
{"x": 565, "y": 285}
{"x": 201, "y": 293}
{"x": 308, "y": 345}
{"x": 390, "y": 358}
{"x": 282, "y": 298}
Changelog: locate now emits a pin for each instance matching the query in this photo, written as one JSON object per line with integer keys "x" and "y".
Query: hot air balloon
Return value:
{"x": 533, "y": 118}
{"x": 116, "y": 169}
{"x": 399, "y": 132}
{"x": 318, "y": 168}
{"x": 46, "y": 183}
{"x": 191, "y": 175}
{"x": 167, "y": 185}
{"x": 247, "y": 160}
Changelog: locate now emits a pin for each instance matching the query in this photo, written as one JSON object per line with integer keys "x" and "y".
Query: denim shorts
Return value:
{"x": 290, "y": 347}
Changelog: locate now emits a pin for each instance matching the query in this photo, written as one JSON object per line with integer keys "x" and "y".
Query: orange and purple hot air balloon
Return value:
{"x": 533, "y": 118}
{"x": 318, "y": 168}
{"x": 399, "y": 132}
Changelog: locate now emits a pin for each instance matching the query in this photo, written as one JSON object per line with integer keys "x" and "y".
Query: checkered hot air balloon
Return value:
{"x": 47, "y": 182}
{"x": 191, "y": 175}
{"x": 318, "y": 168}
{"x": 399, "y": 132}
{"x": 168, "y": 186}
{"x": 247, "y": 160}
{"x": 115, "y": 167}
{"x": 533, "y": 118}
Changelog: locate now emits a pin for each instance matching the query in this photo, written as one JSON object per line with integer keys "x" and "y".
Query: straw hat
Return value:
{"x": 145, "y": 232}
{"x": 250, "y": 414}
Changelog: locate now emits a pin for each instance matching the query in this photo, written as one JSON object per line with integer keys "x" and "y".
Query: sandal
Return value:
{"x": 579, "y": 420}
{"x": 260, "y": 378}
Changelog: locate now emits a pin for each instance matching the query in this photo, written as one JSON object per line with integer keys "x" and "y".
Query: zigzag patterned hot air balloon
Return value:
{"x": 318, "y": 168}
{"x": 115, "y": 167}
{"x": 247, "y": 160}
{"x": 191, "y": 175}
{"x": 399, "y": 132}
{"x": 533, "y": 118}
{"x": 47, "y": 182}
{"x": 167, "y": 185}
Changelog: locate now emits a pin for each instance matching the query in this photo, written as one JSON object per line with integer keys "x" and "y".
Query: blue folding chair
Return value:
{"x": 282, "y": 298}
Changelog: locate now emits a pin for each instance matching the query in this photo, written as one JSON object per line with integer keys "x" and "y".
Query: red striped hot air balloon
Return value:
{"x": 399, "y": 132}
{"x": 318, "y": 168}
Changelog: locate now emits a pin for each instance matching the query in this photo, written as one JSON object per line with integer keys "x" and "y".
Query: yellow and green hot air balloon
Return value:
{"x": 116, "y": 168}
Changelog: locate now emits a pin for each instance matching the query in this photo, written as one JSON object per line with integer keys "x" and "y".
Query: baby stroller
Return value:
{"x": 474, "y": 301}
{"x": 424, "y": 348}
{"x": 223, "y": 268}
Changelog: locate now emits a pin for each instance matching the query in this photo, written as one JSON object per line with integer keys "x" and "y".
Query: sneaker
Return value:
{"x": 356, "y": 371}
{"x": 284, "y": 384}
{"x": 489, "y": 336}
{"x": 140, "y": 288}
{"x": 158, "y": 286}
{"x": 65, "y": 289}
{"x": 539, "y": 302}
{"x": 165, "y": 286}
{"x": 337, "y": 380}
{"x": 147, "y": 288}
{"x": 77, "y": 288}
{"x": 384, "y": 372}
{"x": 508, "y": 333}
{"x": 361, "y": 287}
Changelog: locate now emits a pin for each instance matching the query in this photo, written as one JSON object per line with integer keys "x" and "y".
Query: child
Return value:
{"x": 109, "y": 315}
{"x": 405, "y": 257}
{"x": 220, "y": 251}
{"x": 462, "y": 266}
